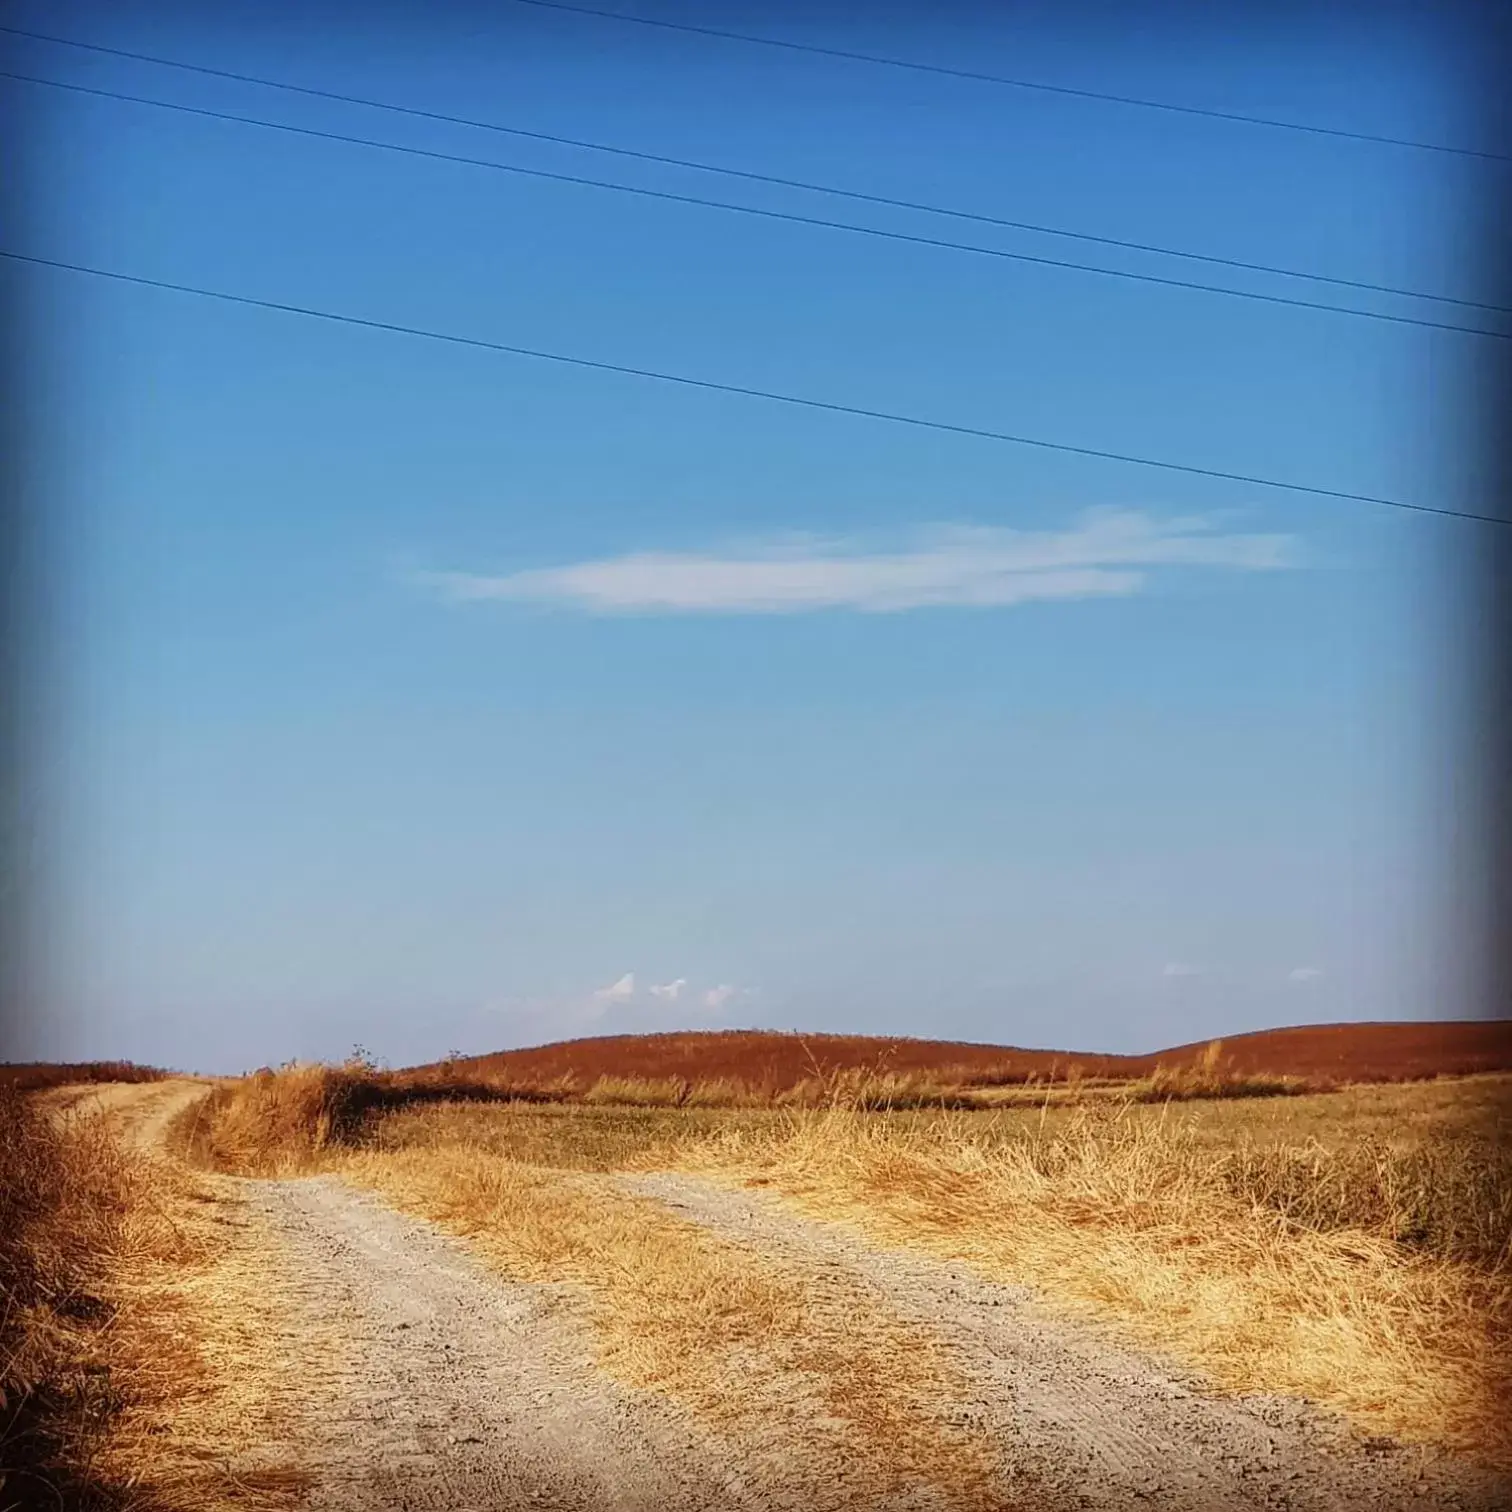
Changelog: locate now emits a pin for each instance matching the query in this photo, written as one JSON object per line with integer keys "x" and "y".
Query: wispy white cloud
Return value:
{"x": 717, "y": 997}
{"x": 1181, "y": 969}
{"x": 1303, "y": 974}
{"x": 1108, "y": 552}
{"x": 671, "y": 991}
{"x": 617, "y": 992}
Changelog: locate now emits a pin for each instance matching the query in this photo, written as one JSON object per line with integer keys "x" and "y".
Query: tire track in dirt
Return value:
{"x": 463, "y": 1391}
{"x": 1082, "y": 1422}
{"x": 139, "y": 1111}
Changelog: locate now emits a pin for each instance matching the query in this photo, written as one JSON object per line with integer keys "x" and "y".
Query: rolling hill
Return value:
{"x": 1362, "y": 1052}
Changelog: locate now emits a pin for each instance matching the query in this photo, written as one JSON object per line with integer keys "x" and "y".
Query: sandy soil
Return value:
{"x": 141, "y": 1111}
{"x": 417, "y": 1380}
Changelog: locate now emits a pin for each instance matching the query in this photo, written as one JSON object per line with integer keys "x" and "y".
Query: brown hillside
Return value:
{"x": 33, "y": 1076}
{"x": 1367, "y": 1052}
{"x": 766, "y": 1058}
{"x": 1338, "y": 1052}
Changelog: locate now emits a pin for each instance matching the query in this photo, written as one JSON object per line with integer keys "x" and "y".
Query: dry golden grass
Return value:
{"x": 636, "y": 1092}
{"x": 877, "y": 1089}
{"x": 276, "y": 1122}
{"x": 1210, "y": 1075}
{"x": 132, "y": 1356}
{"x": 570, "y": 1138}
{"x": 64, "y": 1196}
{"x": 1372, "y": 1278}
{"x": 309, "y": 1106}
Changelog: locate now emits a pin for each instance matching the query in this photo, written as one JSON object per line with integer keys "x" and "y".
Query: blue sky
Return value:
{"x": 439, "y": 699}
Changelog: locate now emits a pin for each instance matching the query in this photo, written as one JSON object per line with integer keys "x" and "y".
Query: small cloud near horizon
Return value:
{"x": 617, "y": 992}
{"x": 1303, "y": 974}
{"x": 1180, "y": 969}
{"x": 1107, "y": 553}
{"x": 671, "y": 991}
{"x": 717, "y": 997}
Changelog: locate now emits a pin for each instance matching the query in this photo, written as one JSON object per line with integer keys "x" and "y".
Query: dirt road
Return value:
{"x": 416, "y": 1379}
{"x": 1084, "y": 1423}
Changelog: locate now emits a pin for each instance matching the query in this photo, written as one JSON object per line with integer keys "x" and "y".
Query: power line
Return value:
{"x": 787, "y": 216}
{"x": 987, "y": 78}
{"x": 892, "y": 417}
{"x": 778, "y": 180}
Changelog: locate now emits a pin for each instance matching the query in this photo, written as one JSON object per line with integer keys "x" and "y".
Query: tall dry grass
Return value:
{"x": 278, "y": 1122}
{"x": 1212, "y": 1075}
{"x": 106, "y": 1381}
{"x": 64, "y": 1196}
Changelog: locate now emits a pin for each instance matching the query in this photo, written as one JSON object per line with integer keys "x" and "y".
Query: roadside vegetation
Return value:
{"x": 1352, "y": 1247}
{"x": 64, "y": 1196}
{"x": 117, "y": 1392}
{"x": 1369, "y": 1275}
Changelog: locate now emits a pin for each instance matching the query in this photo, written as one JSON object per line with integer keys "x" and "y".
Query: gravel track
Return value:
{"x": 1082, "y": 1422}
{"x": 461, "y": 1390}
